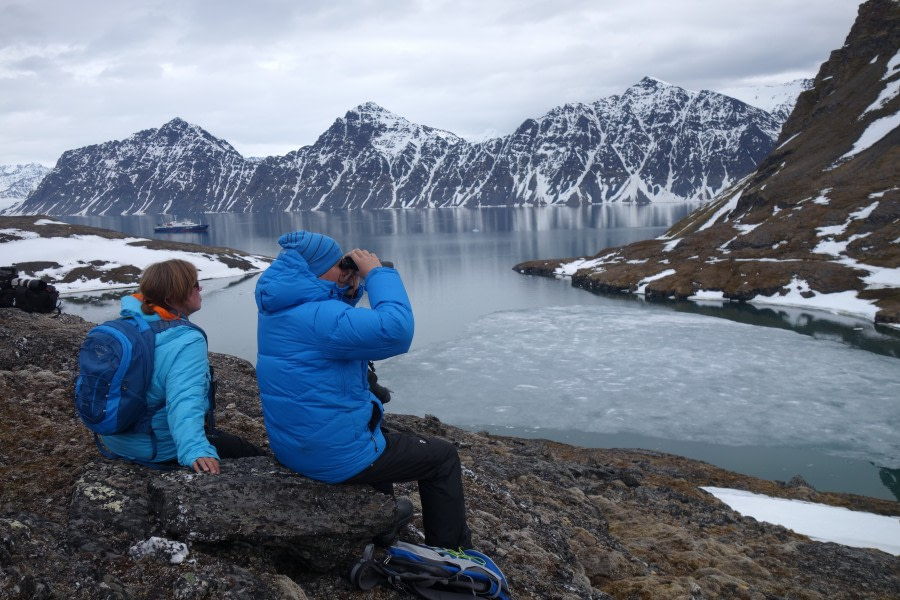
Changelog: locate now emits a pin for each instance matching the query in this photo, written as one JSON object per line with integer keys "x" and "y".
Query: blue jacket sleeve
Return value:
{"x": 187, "y": 400}
{"x": 383, "y": 331}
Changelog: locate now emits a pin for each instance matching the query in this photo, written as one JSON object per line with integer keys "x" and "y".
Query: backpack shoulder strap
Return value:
{"x": 163, "y": 325}
{"x": 367, "y": 572}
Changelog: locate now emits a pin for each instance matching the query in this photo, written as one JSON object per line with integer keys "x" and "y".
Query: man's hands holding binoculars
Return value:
{"x": 355, "y": 264}
{"x": 360, "y": 261}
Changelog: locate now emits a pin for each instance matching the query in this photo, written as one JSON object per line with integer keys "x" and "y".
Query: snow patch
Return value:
{"x": 881, "y": 193}
{"x": 873, "y": 134}
{"x": 892, "y": 65}
{"x": 891, "y": 89}
{"x": 822, "y": 199}
{"x": 889, "y": 92}
{"x": 818, "y": 521}
{"x": 642, "y": 285}
{"x": 708, "y": 295}
{"x": 787, "y": 141}
{"x": 669, "y": 246}
{"x": 864, "y": 213}
{"x": 568, "y": 269}
{"x": 831, "y": 230}
{"x": 177, "y": 551}
{"x": 839, "y": 302}
{"x": 727, "y": 208}
{"x": 73, "y": 252}
{"x": 19, "y": 233}
{"x": 882, "y": 277}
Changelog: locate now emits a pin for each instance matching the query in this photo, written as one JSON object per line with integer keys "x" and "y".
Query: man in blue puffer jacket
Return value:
{"x": 314, "y": 346}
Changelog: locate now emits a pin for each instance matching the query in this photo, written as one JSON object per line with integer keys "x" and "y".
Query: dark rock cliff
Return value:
{"x": 562, "y": 522}
{"x": 820, "y": 215}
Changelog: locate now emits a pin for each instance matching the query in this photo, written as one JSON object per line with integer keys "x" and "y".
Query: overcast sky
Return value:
{"x": 269, "y": 76}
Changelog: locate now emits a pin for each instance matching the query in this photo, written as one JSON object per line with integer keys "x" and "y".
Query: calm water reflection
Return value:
{"x": 456, "y": 264}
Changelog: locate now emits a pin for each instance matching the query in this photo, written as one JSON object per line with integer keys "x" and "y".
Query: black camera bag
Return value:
{"x": 7, "y": 292}
{"x": 30, "y": 295}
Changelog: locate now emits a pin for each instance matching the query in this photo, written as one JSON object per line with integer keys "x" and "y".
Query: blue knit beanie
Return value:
{"x": 320, "y": 251}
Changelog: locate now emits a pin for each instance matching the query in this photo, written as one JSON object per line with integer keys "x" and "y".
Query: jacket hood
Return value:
{"x": 289, "y": 281}
{"x": 131, "y": 307}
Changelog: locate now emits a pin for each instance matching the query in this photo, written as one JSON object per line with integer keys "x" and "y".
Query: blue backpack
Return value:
{"x": 430, "y": 572}
{"x": 115, "y": 365}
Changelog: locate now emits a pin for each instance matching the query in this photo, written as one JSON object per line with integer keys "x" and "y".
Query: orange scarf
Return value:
{"x": 164, "y": 314}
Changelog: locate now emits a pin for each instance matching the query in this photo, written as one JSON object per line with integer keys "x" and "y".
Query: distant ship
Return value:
{"x": 176, "y": 226}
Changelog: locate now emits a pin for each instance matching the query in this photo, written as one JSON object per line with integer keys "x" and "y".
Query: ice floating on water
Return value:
{"x": 659, "y": 373}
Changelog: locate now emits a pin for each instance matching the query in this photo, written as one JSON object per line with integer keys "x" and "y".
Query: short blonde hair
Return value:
{"x": 166, "y": 284}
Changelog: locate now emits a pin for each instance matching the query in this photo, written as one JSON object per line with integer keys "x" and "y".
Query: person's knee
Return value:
{"x": 446, "y": 455}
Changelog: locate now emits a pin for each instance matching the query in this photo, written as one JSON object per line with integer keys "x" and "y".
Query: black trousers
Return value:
{"x": 228, "y": 445}
{"x": 434, "y": 464}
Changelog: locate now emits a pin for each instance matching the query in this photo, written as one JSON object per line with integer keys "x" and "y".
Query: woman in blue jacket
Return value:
{"x": 178, "y": 395}
{"x": 314, "y": 346}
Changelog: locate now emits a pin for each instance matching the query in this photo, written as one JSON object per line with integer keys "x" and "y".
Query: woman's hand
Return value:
{"x": 207, "y": 465}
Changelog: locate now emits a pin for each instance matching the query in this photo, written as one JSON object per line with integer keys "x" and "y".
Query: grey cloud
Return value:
{"x": 277, "y": 73}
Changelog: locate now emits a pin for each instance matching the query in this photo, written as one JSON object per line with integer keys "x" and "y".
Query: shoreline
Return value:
{"x": 541, "y": 268}
{"x": 814, "y": 465}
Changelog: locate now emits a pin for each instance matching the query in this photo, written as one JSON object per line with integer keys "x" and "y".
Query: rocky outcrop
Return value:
{"x": 820, "y": 215}
{"x": 562, "y": 522}
{"x": 654, "y": 142}
{"x": 254, "y": 503}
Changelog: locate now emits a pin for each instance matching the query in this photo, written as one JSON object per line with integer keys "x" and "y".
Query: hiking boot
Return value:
{"x": 403, "y": 513}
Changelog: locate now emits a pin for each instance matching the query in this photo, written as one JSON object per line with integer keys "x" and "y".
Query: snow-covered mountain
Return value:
{"x": 654, "y": 142}
{"x": 176, "y": 168}
{"x": 370, "y": 158}
{"x": 17, "y": 181}
{"x": 776, "y": 99}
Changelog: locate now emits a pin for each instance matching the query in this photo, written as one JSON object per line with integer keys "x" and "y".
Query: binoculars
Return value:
{"x": 347, "y": 264}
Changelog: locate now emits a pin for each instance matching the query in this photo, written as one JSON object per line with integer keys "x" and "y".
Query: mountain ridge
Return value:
{"x": 654, "y": 142}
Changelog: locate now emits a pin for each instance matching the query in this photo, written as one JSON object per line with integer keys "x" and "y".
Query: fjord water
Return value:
{"x": 768, "y": 392}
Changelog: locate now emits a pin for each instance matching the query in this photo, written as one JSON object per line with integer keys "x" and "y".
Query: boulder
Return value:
{"x": 254, "y": 502}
